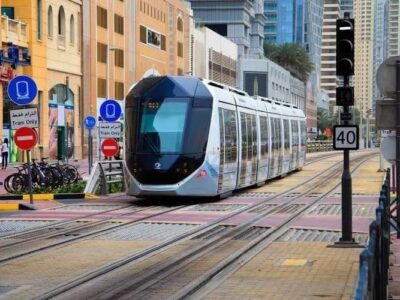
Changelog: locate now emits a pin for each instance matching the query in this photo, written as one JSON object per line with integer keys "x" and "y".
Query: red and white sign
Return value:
{"x": 25, "y": 138}
{"x": 109, "y": 147}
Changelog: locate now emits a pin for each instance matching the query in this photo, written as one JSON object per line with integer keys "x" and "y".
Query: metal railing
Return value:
{"x": 319, "y": 146}
{"x": 374, "y": 260}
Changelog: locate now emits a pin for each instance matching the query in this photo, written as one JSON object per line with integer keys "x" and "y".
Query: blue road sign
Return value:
{"x": 90, "y": 122}
{"x": 22, "y": 90}
{"x": 110, "y": 110}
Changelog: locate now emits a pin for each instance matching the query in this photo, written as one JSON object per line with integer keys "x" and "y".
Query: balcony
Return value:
{"x": 14, "y": 31}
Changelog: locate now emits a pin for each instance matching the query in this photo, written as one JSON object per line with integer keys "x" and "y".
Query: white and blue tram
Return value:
{"x": 187, "y": 136}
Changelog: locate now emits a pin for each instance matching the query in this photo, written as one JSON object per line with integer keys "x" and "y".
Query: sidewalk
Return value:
{"x": 82, "y": 165}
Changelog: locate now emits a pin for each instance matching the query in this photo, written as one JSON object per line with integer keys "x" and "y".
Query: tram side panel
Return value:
{"x": 264, "y": 147}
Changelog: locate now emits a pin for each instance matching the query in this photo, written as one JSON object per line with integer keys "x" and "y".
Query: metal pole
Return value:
{"x": 66, "y": 142}
{"x": 90, "y": 151}
{"x": 398, "y": 146}
{"x": 347, "y": 209}
{"x": 28, "y": 154}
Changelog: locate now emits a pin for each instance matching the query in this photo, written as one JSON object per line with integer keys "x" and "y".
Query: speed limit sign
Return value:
{"x": 345, "y": 137}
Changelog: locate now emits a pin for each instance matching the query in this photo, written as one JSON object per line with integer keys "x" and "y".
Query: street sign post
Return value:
{"x": 90, "y": 123}
{"x": 109, "y": 147}
{"x": 26, "y": 138}
{"x": 345, "y": 137}
{"x": 22, "y": 90}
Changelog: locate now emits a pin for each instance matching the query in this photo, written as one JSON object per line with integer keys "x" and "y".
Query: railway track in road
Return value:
{"x": 152, "y": 268}
{"x": 44, "y": 237}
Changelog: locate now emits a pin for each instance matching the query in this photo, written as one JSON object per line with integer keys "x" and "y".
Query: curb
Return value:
{"x": 15, "y": 206}
{"x": 49, "y": 197}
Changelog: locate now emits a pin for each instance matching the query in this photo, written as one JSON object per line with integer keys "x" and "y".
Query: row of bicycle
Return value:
{"x": 43, "y": 174}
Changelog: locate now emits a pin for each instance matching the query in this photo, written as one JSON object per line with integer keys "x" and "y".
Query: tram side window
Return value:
{"x": 221, "y": 135}
{"x": 264, "y": 137}
{"x": 279, "y": 135}
{"x": 303, "y": 133}
{"x": 249, "y": 138}
{"x": 295, "y": 132}
{"x": 230, "y": 136}
{"x": 273, "y": 138}
{"x": 254, "y": 135}
{"x": 243, "y": 126}
{"x": 286, "y": 133}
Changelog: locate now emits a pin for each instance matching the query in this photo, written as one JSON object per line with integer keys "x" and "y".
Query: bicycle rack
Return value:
{"x": 105, "y": 173}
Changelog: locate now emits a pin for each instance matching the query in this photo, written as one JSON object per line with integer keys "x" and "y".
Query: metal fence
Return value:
{"x": 319, "y": 146}
{"x": 374, "y": 260}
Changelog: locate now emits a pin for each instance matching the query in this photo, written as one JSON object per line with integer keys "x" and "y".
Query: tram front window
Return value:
{"x": 162, "y": 125}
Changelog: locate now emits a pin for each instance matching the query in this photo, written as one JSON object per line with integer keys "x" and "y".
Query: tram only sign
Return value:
{"x": 345, "y": 137}
{"x": 109, "y": 147}
{"x": 25, "y": 138}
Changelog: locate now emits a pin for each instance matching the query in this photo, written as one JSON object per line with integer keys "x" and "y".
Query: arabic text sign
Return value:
{"x": 27, "y": 117}
{"x": 109, "y": 130}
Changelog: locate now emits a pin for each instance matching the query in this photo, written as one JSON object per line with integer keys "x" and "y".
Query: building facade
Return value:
{"x": 240, "y": 21}
{"x": 363, "y": 57}
{"x": 213, "y": 56}
{"x": 393, "y": 23}
{"x": 328, "y": 50}
{"x": 346, "y": 6}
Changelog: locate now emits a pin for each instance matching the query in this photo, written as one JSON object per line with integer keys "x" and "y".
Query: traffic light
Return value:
{"x": 345, "y": 96}
{"x": 345, "y": 47}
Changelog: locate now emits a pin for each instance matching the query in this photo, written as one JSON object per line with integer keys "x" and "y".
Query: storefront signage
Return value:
{"x": 27, "y": 117}
{"x": 109, "y": 130}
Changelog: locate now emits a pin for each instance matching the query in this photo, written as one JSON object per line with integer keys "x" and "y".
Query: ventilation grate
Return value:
{"x": 359, "y": 210}
{"x": 12, "y": 227}
{"x": 290, "y": 209}
{"x": 148, "y": 231}
{"x": 311, "y": 235}
{"x": 217, "y": 230}
{"x": 251, "y": 233}
{"x": 216, "y": 207}
{"x": 254, "y": 194}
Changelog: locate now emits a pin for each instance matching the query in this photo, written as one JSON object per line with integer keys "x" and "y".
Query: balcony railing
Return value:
{"x": 14, "y": 31}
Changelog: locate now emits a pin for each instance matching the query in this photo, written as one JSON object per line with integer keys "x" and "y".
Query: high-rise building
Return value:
{"x": 285, "y": 21}
{"x": 240, "y": 21}
{"x": 364, "y": 51}
{"x": 328, "y": 50}
{"x": 394, "y": 28}
{"x": 380, "y": 40}
{"x": 346, "y": 6}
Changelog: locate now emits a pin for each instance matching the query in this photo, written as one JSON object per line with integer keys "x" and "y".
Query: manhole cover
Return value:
{"x": 148, "y": 231}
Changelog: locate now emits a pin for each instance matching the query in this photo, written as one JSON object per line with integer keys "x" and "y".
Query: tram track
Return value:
{"x": 216, "y": 239}
{"x": 71, "y": 231}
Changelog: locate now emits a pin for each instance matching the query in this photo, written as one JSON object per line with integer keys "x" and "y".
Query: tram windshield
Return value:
{"x": 162, "y": 125}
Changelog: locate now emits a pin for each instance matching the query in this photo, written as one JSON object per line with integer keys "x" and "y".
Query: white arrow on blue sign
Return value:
{"x": 110, "y": 110}
{"x": 90, "y": 122}
{"x": 22, "y": 90}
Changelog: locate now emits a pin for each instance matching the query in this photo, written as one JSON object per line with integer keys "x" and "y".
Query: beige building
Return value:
{"x": 394, "y": 28}
{"x": 328, "y": 49}
{"x": 363, "y": 58}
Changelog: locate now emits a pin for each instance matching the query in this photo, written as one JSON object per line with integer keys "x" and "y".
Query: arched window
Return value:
{"x": 50, "y": 22}
{"x": 61, "y": 21}
{"x": 179, "y": 24}
{"x": 72, "y": 30}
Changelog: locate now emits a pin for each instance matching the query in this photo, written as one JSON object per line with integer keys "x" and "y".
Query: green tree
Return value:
{"x": 292, "y": 57}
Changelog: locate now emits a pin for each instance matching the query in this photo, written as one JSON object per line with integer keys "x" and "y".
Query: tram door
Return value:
{"x": 228, "y": 149}
{"x": 295, "y": 144}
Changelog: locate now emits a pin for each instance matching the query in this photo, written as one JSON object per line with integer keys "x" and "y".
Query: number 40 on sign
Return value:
{"x": 345, "y": 137}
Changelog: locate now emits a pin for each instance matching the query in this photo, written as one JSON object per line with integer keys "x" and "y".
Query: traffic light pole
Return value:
{"x": 347, "y": 207}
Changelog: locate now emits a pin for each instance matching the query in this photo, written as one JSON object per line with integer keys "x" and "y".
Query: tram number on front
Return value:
{"x": 345, "y": 137}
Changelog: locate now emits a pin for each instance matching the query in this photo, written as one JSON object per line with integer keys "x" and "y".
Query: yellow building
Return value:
{"x": 51, "y": 29}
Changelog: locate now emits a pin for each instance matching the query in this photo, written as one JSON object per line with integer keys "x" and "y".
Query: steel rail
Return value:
{"x": 162, "y": 246}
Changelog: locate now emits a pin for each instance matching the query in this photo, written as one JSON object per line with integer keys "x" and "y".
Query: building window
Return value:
{"x": 61, "y": 21}
{"x": 118, "y": 24}
{"x": 153, "y": 38}
{"x": 101, "y": 52}
{"x": 50, "y": 22}
{"x": 72, "y": 30}
{"x": 101, "y": 88}
{"x": 39, "y": 19}
{"x": 119, "y": 90}
{"x": 180, "y": 72}
{"x": 119, "y": 58}
{"x": 101, "y": 17}
{"x": 143, "y": 34}
{"x": 180, "y": 49}
{"x": 179, "y": 24}
{"x": 163, "y": 42}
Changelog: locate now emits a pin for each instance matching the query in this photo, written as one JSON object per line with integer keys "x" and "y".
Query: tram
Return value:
{"x": 187, "y": 136}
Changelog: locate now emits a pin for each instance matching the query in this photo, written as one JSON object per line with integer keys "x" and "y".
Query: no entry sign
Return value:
{"x": 25, "y": 138}
{"x": 109, "y": 147}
